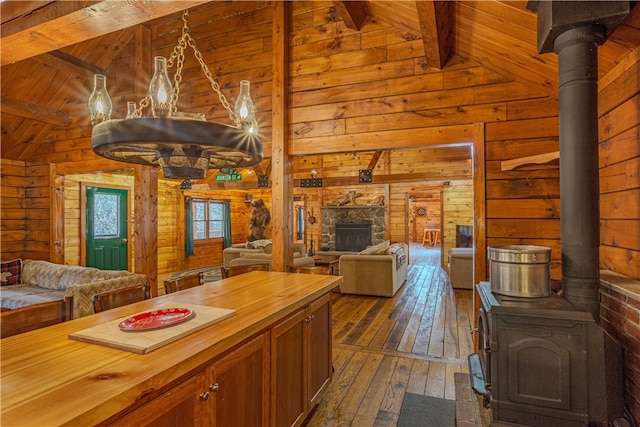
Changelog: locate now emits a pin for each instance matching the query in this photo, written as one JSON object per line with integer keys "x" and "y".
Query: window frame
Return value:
{"x": 207, "y": 221}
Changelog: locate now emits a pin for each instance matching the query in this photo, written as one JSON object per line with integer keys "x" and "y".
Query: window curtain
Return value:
{"x": 300, "y": 222}
{"x": 226, "y": 223}
{"x": 189, "y": 244}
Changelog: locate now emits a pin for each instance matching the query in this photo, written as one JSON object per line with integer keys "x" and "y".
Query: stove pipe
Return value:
{"x": 577, "y": 50}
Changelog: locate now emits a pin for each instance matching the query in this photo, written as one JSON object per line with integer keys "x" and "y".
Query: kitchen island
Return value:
{"x": 265, "y": 365}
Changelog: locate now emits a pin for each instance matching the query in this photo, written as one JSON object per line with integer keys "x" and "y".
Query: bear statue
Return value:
{"x": 258, "y": 221}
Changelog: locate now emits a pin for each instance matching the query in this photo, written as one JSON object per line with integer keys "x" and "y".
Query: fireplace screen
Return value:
{"x": 353, "y": 237}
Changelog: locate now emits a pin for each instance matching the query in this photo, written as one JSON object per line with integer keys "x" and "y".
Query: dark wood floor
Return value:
{"x": 383, "y": 347}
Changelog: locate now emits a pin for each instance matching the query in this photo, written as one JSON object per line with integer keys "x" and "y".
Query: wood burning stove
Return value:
{"x": 544, "y": 362}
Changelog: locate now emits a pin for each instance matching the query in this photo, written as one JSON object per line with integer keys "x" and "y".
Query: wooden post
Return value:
{"x": 56, "y": 251}
{"x": 479, "y": 221}
{"x": 145, "y": 234}
{"x": 282, "y": 181}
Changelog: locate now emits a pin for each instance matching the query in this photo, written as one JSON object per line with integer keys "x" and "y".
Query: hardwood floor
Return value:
{"x": 383, "y": 347}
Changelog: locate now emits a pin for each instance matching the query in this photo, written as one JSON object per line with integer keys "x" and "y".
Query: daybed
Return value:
{"x": 259, "y": 252}
{"x": 378, "y": 270}
{"x": 49, "y": 293}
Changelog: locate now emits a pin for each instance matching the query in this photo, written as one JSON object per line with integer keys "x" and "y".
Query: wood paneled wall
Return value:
{"x": 354, "y": 93}
{"x": 39, "y": 226}
{"x": 13, "y": 213}
{"x": 619, "y": 152}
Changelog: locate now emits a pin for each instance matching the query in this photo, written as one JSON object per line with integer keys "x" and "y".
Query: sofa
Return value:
{"x": 259, "y": 252}
{"x": 460, "y": 268}
{"x": 379, "y": 270}
{"x": 66, "y": 289}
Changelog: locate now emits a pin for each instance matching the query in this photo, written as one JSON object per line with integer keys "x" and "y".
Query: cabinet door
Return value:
{"x": 289, "y": 384}
{"x": 320, "y": 366}
{"x": 239, "y": 386}
{"x": 182, "y": 405}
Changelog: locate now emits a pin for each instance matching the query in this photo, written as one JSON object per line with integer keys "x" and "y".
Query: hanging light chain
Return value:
{"x": 178, "y": 56}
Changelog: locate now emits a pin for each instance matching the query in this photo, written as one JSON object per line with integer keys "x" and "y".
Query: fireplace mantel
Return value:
{"x": 332, "y": 215}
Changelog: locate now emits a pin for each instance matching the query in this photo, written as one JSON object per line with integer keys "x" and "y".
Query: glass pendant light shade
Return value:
{"x": 131, "y": 110}
{"x": 244, "y": 109}
{"x": 160, "y": 89}
{"x": 100, "y": 105}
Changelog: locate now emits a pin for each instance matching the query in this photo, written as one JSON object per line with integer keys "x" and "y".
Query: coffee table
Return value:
{"x": 327, "y": 260}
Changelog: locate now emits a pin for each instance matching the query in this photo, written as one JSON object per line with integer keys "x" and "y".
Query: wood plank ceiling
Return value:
{"x": 50, "y": 50}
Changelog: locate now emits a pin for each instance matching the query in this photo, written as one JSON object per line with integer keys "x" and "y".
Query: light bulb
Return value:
{"x": 160, "y": 89}
{"x": 244, "y": 109}
{"x": 100, "y": 105}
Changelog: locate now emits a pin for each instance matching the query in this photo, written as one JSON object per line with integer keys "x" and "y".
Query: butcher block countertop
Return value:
{"x": 49, "y": 379}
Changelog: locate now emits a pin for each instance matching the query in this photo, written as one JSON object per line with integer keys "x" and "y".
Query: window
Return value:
{"x": 208, "y": 219}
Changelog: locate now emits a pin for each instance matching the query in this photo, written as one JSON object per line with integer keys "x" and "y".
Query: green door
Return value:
{"x": 106, "y": 228}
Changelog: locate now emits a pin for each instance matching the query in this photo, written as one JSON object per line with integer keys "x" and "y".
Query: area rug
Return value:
{"x": 426, "y": 411}
{"x": 211, "y": 273}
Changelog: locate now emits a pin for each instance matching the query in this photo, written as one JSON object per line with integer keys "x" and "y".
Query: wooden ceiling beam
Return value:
{"x": 374, "y": 160}
{"x": 34, "y": 112}
{"x": 66, "y": 23}
{"x": 354, "y": 13}
{"x": 69, "y": 64}
{"x": 10, "y": 10}
{"x": 434, "y": 179}
{"x": 436, "y": 21}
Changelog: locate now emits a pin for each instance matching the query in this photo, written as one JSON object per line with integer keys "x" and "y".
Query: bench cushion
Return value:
{"x": 19, "y": 296}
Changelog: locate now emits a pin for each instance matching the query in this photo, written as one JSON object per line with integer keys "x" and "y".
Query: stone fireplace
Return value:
{"x": 332, "y": 215}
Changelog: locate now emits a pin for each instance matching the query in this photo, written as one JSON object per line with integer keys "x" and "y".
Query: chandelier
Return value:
{"x": 185, "y": 145}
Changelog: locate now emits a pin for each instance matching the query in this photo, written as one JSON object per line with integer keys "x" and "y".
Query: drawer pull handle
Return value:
{"x": 204, "y": 396}
{"x": 213, "y": 387}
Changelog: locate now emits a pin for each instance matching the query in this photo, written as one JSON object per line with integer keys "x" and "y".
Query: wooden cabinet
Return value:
{"x": 301, "y": 362}
{"x": 181, "y": 405}
{"x": 232, "y": 391}
{"x": 273, "y": 379}
{"x": 238, "y": 386}
{"x": 320, "y": 360}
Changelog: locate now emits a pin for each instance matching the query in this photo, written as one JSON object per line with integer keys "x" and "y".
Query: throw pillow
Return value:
{"x": 11, "y": 272}
{"x": 372, "y": 250}
{"x": 258, "y": 244}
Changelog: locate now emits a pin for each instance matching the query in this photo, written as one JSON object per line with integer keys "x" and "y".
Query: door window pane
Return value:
{"x": 105, "y": 215}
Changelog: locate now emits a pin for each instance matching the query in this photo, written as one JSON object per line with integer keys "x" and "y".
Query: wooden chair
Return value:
{"x": 241, "y": 269}
{"x": 183, "y": 282}
{"x": 318, "y": 269}
{"x": 112, "y": 299}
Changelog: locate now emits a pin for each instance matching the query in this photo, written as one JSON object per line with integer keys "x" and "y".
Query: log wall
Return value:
{"x": 619, "y": 153}
{"x": 13, "y": 213}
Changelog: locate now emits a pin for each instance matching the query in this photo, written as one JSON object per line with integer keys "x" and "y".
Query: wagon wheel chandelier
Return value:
{"x": 185, "y": 145}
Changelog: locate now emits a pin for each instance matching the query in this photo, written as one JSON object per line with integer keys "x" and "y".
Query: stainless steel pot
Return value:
{"x": 519, "y": 270}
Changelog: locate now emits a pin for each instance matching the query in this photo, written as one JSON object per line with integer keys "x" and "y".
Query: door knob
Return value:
{"x": 124, "y": 240}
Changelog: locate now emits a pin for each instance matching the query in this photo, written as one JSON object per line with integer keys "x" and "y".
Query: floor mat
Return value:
{"x": 211, "y": 273}
{"x": 426, "y": 411}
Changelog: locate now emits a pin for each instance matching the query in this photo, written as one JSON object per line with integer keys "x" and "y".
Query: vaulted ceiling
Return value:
{"x": 51, "y": 50}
